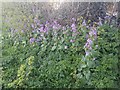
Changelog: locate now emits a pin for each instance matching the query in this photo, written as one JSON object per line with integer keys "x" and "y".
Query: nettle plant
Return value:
{"x": 53, "y": 55}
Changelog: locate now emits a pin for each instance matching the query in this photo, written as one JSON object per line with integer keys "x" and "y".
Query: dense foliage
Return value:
{"x": 52, "y": 55}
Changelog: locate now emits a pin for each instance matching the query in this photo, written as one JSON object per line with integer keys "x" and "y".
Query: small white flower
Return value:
{"x": 87, "y": 53}
{"x": 96, "y": 46}
{"x": 89, "y": 41}
{"x": 94, "y": 58}
{"x": 66, "y": 47}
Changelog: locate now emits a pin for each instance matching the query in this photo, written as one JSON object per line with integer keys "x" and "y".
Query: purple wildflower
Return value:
{"x": 89, "y": 41}
{"x": 72, "y": 41}
{"x": 55, "y": 22}
{"x": 32, "y": 40}
{"x": 54, "y": 27}
{"x": 88, "y": 44}
{"x": 84, "y": 23}
{"x": 45, "y": 30}
{"x": 47, "y": 22}
{"x": 107, "y": 17}
{"x": 38, "y": 23}
{"x": 73, "y": 27}
{"x": 22, "y": 31}
{"x": 41, "y": 29}
{"x": 93, "y": 32}
{"x": 63, "y": 28}
{"x": 90, "y": 33}
{"x": 41, "y": 25}
{"x": 32, "y": 25}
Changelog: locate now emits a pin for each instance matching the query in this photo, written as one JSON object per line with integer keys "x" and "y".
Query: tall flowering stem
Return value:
{"x": 73, "y": 30}
{"x": 88, "y": 47}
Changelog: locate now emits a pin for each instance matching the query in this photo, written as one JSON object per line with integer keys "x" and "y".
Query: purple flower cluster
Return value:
{"x": 93, "y": 32}
{"x": 73, "y": 30}
{"x": 55, "y": 25}
{"x": 57, "y": 31}
{"x": 90, "y": 41}
{"x": 72, "y": 40}
{"x": 73, "y": 27}
{"x": 88, "y": 44}
{"x": 32, "y": 40}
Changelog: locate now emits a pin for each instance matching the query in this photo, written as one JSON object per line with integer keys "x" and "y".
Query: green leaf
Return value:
{"x": 53, "y": 48}
{"x": 79, "y": 75}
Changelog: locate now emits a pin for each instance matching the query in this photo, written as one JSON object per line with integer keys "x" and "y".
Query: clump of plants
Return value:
{"x": 50, "y": 55}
